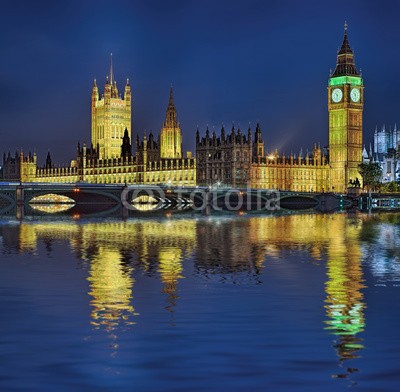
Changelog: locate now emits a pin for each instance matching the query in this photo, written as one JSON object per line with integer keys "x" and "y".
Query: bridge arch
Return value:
{"x": 51, "y": 198}
{"x": 79, "y": 195}
{"x": 298, "y": 202}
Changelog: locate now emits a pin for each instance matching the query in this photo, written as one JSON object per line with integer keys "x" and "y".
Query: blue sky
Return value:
{"x": 229, "y": 61}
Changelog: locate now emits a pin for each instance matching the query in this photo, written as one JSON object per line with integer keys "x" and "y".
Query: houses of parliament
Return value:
{"x": 233, "y": 158}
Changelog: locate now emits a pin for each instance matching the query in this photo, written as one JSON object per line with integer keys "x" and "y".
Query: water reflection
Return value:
{"x": 111, "y": 287}
{"x": 170, "y": 268}
{"x": 228, "y": 249}
{"x": 380, "y": 238}
{"x": 52, "y": 208}
{"x": 344, "y": 301}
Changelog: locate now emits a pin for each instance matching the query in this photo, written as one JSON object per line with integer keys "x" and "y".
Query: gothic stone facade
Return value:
{"x": 110, "y": 159}
{"x": 149, "y": 165}
{"x": 111, "y": 116}
{"x": 237, "y": 160}
{"x": 225, "y": 159}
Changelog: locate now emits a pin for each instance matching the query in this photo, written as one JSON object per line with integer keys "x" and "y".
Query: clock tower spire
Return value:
{"x": 345, "y": 107}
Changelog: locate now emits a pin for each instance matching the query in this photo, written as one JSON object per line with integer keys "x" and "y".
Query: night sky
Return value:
{"x": 229, "y": 61}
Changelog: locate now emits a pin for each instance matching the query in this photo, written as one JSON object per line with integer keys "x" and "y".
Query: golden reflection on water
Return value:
{"x": 170, "y": 269}
{"x": 114, "y": 249}
{"x": 110, "y": 250}
{"x": 52, "y": 208}
{"x": 338, "y": 237}
{"x": 111, "y": 269}
{"x": 111, "y": 286}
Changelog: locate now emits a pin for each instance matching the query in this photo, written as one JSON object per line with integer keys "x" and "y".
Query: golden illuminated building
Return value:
{"x": 305, "y": 173}
{"x": 111, "y": 158}
{"x": 235, "y": 158}
{"x": 170, "y": 135}
{"x": 345, "y": 105}
{"x": 238, "y": 160}
{"x": 111, "y": 116}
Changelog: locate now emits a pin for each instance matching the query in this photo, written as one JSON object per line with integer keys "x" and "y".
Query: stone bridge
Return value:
{"x": 93, "y": 198}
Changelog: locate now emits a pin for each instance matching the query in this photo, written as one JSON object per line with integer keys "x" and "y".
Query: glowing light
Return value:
{"x": 52, "y": 208}
{"x": 344, "y": 301}
{"x": 110, "y": 289}
{"x": 340, "y": 80}
{"x": 145, "y": 199}
{"x": 52, "y": 198}
{"x": 146, "y": 207}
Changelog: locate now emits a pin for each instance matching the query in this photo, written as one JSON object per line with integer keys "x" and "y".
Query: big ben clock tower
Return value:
{"x": 345, "y": 106}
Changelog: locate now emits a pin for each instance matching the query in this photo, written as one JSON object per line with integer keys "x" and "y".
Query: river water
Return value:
{"x": 188, "y": 302}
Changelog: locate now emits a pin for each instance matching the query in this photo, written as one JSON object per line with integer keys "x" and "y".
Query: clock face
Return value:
{"x": 337, "y": 95}
{"x": 355, "y": 94}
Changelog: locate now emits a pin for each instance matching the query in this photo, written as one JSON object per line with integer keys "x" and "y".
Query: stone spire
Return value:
{"x": 171, "y": 116}
{"x": 48, "y": 161}
{"x": 113, "y": 83}
{"x": 258, "y": 134}
{"x": 170, "y": 135}
{"x": 111, "y": 70}
{"x": 345, "y": 65}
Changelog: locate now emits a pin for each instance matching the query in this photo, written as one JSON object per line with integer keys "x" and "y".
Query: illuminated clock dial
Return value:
{"x": 355, "y": 94}
{"x": 337, "y": 95}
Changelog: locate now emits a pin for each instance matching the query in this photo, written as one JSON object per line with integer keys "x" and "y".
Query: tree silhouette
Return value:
{"x": 371, "y": 174}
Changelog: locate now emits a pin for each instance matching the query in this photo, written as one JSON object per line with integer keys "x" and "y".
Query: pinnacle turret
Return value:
{"x": 171, "y": 98}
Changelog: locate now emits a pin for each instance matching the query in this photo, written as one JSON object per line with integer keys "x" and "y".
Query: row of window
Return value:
{"x": 117, "y": 131}
{"x": 225, "y": 156}
{"x": 122, "y": 179}
{"x": 287, "y": 174}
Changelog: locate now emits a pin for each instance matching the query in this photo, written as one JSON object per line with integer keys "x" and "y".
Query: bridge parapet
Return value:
{"x": 228, "y": 199}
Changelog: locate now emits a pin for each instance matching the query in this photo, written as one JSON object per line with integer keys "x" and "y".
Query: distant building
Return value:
{"x": 386, "y": 139}
{"x": 385, "y": 151}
